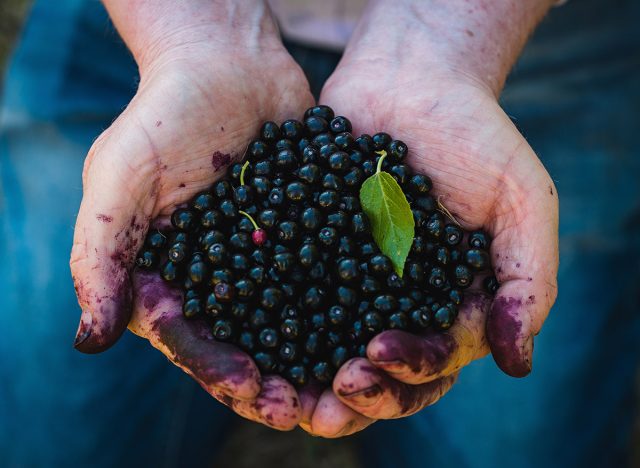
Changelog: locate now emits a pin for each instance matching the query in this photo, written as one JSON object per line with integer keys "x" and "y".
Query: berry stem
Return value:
{"x": 383, "y": 154}
{"x": 244, "y": 213}
{"x": 244, "y": 168}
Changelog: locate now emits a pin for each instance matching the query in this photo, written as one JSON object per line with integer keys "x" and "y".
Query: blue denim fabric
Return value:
{"x": 575, "y": 96}
{"x": 70, "y": 76}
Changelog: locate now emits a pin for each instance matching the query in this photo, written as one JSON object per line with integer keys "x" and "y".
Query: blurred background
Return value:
{"x": 268, "y": 448}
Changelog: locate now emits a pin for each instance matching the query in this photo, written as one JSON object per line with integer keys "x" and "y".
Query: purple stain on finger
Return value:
{"x": 151, "y": 290}
{"x": 277, "y": 404}
{"x": 413, "y": 398}
{"x": 138, "y": 226}
{"x": 504, "y": 333}
{"x": 368, "y": 396}
{"x": 104, "y": 218}
{"x": 422, "y": 355}
{"x": 108, "y": 299}
{"x": 372, "y": 381}
{"x": 220, "y": 160}
{"x": 309, "y": 396}
{"x": 114, "y": 310}
{"x": 212, "y": 363}
{"x": 347, "y": 382}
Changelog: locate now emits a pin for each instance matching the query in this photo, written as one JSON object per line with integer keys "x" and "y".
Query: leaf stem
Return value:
{"x": 244, "y": 168}
{"x": 244, "y": 213}
{"x": 383, "y": 154}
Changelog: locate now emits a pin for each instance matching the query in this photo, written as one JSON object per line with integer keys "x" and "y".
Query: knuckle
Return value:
{"x": 93, "y": 153}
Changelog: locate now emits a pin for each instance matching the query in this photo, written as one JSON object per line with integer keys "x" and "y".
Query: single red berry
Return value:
{"x": 259, "y": 237}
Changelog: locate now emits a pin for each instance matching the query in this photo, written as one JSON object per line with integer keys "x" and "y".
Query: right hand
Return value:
{"x": 416, "y": 79}
{"x": 198, "y": 104}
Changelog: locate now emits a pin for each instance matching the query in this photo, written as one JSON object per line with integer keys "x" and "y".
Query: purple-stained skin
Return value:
{"x": 104, "y": 218}
{"x": 309, "y": 396}
{"x": 112, "y": 306}
{"x": 410, "y": 398}
{"x": 217, "y": 365}
{"x": 505, "y": 332}
{"x": 431, "y": 355}
{"x": 115, "y": 310}
{"x": 276, "y": 405}
{"x": 220, "y": 160}
{"x": 153, "y": 290}
{"x": 190, "y": 341}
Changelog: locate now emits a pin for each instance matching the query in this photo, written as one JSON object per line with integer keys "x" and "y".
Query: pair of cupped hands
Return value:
{"x": 201, "y": 101}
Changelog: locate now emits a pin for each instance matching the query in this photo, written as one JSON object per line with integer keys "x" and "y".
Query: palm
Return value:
{"x": 484, "y": 171}
{"x": 459, "y": 136}
{"x": 185, "y": 125}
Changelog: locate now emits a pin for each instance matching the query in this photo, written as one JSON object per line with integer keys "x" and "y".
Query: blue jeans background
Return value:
{"x": 575, "y": 96}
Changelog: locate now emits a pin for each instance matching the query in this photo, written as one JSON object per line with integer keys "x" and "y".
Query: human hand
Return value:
{"x": 206, "y": 84}
{"x": 444, "y": 106}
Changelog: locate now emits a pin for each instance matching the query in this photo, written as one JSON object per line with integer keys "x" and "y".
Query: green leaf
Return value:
{"x": 390, "y": 215}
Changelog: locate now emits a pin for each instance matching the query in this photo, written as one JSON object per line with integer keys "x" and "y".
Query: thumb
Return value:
{"x": 525, "y": 259}
{"x": 118, "y": 200}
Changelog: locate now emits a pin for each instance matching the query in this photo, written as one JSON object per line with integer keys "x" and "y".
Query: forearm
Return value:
{"x": 477, "y": 38}
{"x": 152, "y": 27}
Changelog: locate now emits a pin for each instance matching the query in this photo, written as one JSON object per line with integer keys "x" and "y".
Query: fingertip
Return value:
{"x": 509, "y": 336}
{"x": 388, "y": 346}
{"x": 278, "y": 403}
{"x": 410, "y": 358}
{"x": 242, "y": 379}
{"x": 358, "y": 382}
{"x": 104, "y": 318}
{"x": 276, "y": 406}
{"x": 333, "y": 419}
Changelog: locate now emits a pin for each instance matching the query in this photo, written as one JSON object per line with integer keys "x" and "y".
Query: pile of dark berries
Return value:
{"x": 285, "y": 265}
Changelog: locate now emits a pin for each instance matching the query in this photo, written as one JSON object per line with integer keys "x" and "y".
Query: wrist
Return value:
{"x": 165, "y": 30}
{"x": 468, "y": 40}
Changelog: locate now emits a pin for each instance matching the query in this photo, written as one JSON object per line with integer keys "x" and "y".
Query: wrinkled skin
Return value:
{"x": 488, "y": 177}
{"x": 190, "y": 118}
{"x": 193, "y": 115}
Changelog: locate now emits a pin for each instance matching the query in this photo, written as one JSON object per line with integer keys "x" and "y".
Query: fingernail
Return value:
{"x": 84, "y": 329}
{"x": 528, "y": 352}
{"x": 366, "y": 397}
{"x": 306, "y": 426}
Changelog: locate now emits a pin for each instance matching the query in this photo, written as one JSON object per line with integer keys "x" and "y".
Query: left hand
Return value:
{"x": 205, "y": 88}
{"x": 488, "y": 177}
